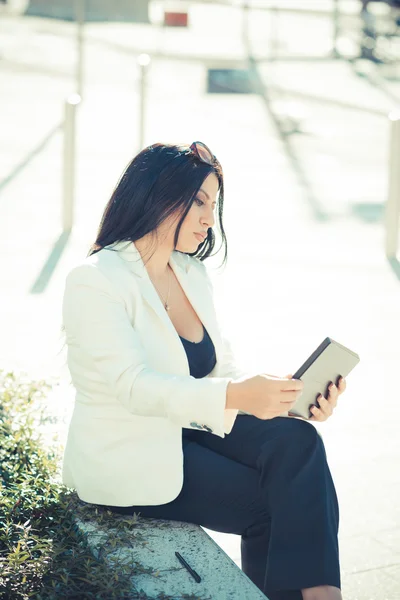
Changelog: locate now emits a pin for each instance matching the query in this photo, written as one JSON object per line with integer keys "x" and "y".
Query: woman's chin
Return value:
{"x": 188, "y": 248}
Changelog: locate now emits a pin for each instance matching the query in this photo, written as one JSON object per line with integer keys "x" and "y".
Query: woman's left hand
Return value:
{"x": 327, "y": 405}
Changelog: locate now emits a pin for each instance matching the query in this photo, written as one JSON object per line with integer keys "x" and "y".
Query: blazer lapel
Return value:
{"x": 193, "y": 284}
{"x": 129, "y": 253}
{"x": 196, "y": 289}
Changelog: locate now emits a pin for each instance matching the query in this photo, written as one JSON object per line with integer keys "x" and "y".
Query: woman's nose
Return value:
{"x": 209, "y": 218}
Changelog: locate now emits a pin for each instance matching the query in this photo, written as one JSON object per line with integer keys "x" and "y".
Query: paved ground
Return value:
{"x": 303, "y": 216}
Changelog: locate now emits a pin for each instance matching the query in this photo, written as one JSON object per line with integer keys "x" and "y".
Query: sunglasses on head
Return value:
{"x": 203, "y": 153}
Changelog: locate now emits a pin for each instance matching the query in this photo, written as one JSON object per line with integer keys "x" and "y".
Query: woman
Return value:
{"x": 164, "y": 423}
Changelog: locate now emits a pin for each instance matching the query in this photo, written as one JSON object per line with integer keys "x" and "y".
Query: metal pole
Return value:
{"x": 273, "y": 33}
{"x": 336, "y": 29}
{"x": 144, "y": 63}
{"x": 393, "y": 201}
{"x": 69, "y": 162}
{"x": 79, "y": 10}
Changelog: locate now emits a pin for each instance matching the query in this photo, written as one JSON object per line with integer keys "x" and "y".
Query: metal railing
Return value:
{"x": 69, "y": 161}
{"x": 392, "y": 216}
{"x": 143, "y": 62}
{"x": 70, "y": 111}
{"x": 79, "y": 11}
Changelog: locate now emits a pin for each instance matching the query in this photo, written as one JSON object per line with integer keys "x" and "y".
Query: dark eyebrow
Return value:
{"x": 206, "y": 195}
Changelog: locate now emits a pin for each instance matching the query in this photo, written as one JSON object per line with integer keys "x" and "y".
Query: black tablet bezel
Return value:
{"x": 323, "y": 346}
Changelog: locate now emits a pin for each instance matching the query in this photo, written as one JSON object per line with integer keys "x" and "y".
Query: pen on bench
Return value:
{"x": 184, "y": 563}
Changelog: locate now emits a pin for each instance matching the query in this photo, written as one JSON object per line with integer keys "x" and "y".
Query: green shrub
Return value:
{"x": 43, "y": 554}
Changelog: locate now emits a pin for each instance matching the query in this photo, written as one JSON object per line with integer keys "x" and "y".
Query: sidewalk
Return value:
{"x": 292, "y": 279}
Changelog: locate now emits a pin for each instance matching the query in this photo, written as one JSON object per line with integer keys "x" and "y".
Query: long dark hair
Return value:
{"x": 161, "y": 180}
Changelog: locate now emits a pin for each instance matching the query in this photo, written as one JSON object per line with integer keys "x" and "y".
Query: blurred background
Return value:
{"x": 299, "y": 100}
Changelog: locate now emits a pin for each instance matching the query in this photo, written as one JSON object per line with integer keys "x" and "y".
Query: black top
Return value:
{"x": 201, "y": 356}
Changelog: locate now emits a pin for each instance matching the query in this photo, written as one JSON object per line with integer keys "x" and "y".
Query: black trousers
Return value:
{"x": 269, "y": 482}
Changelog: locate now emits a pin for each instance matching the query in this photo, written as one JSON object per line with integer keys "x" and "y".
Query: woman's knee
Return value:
{"x": 307, "y": 436}
{"x": 292, "y": 437}
{"x": 299, "y": 428}
{"x": 306, "y": 430}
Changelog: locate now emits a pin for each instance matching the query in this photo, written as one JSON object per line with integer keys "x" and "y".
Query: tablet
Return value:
{"x": 326, "y": 365}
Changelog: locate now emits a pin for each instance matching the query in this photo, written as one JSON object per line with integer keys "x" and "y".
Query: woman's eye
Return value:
{"x": 199, "y": 202}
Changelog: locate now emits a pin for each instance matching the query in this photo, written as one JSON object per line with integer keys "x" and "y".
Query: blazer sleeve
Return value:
{"x": 229, "y": 366}
{"x": 95, "y": 317}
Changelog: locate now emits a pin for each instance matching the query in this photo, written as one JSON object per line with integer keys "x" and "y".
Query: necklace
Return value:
{"x": 165, "y": 302}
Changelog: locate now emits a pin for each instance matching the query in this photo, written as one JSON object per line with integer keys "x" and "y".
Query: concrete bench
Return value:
{"x": 152, "y": 544}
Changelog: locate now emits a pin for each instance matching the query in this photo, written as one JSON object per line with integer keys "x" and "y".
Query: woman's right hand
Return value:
{"x": 264, "y": 396}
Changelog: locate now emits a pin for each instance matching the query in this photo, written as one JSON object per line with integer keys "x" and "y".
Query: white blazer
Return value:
{"x": 129, "y": 368}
